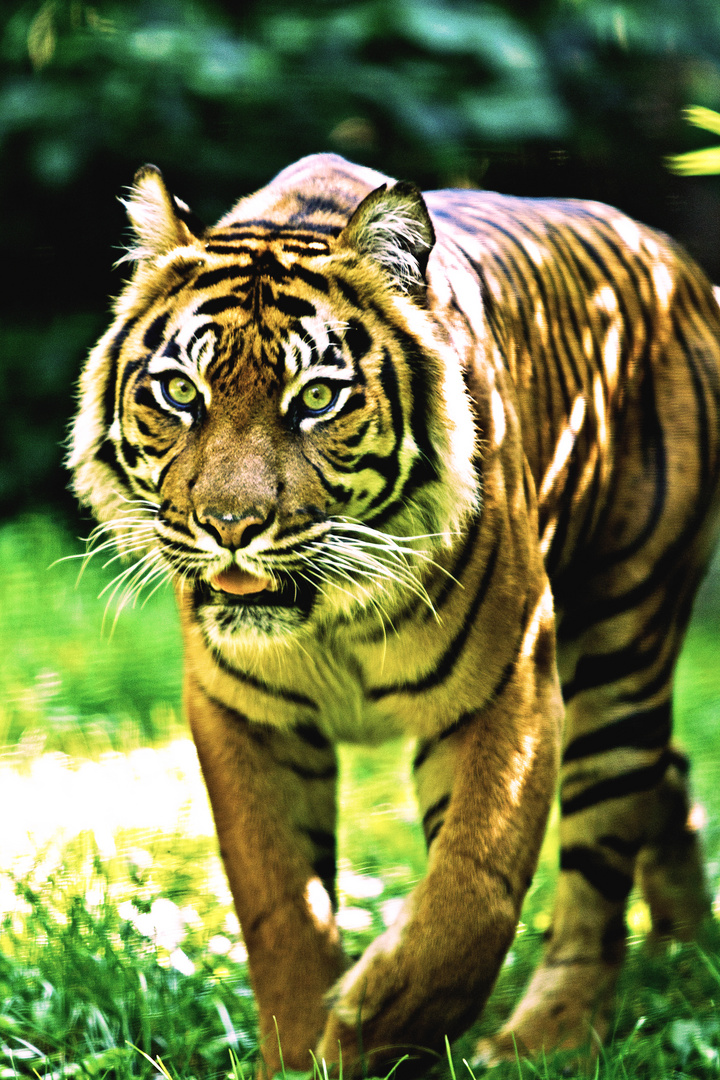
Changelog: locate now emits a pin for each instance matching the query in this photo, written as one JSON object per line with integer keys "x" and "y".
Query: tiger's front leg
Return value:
{"x": 273, "y": 799}
{"x": 485, "y": 787}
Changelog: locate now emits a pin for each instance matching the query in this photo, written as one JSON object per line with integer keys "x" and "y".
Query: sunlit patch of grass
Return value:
{"x": 115, "y": 904}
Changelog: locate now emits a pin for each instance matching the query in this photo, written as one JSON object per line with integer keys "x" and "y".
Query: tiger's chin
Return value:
{"x": 260, "y": 617}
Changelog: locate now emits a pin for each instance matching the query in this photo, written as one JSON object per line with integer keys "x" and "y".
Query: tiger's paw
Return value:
{"x": 564, "y": 1008}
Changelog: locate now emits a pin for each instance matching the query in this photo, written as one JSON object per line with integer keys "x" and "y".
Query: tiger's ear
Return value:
{"x": 160, "y": 221}
{"x": 393, "y": 227}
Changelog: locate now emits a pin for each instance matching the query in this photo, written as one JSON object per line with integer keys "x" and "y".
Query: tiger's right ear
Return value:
{"x": 392, "y": 226}
{"x": 161, "y": 221}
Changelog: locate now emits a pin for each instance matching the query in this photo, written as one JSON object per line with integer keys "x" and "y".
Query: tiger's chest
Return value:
{"x": 364, "y": 687}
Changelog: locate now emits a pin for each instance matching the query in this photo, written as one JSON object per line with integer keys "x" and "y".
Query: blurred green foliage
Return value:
{"x": 566, "y": 97}
{"x": 70, "y": 679}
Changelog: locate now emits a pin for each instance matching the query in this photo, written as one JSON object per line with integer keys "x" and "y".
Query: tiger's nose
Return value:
{"x": 233, "y": 531}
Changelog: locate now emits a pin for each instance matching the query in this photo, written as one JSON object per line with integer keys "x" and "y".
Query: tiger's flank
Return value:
{"x": 443, "y": 467}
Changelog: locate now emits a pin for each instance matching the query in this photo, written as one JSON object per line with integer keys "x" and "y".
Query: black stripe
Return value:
{"x": 568, "y": 305}
{"x": 509, "y": 668}
{"x": 157, "y": 451}
{"x": 129, "y": 453}
{"x": 660, "y": 680}
{"x": 258, "y": 684}
{"x": 432, "y": 835}
{"x": 612, "y": 884}
{"x": 456, "y": 572}
{"x": 164, "y": 471}
{"x": 356, "y": 400}
{"x": 224, "y": 249}
{"x": 420, "y": 383}
{"x": 277, "y": 232}
{"x": 617, "y": 787}
{"x": 678, "y": 760}
{"x": 325, "y": 866}
{"x": 357, "y": 339}
{"x": 348, "y": 292}
{"x": 294, "y": 306}
{"x": 436, "y": 808}
{"x": 113, "y": 354}
{"x": 259, "y": 734}
{"x": 217, "y": 304}
{"x": 632, "y": 267}
{"x": 152, "y": 338}
{"x": 583, "y": 527}
{"x": 572, "y": 471}
{"x": 655, "y": 466}
{"x": 144, "y": 396}
{"x": 321, "y": 838}
{"x": 328, "y": 773}
{"x": 144, "y": 429}
{"x": 310, "y": 735}
{"x": 423, "y": 753}
{"x": 622, "y": 846}
{"x": 107, "y": 455}
{"x": 335, "y": 491}
{"x": 214, "y": 277}
{"x": 646, "y": 730}
{"x": 388, "y": 466}
{"x": 704, "y": 451}
{"x": 526, "y": 309}
{"x": 309, "y": 277}
{"x": 180, "y": 527}
{"x": 601, "y": 669}
{"x": 445, "y": 665}
{"x": 177, "y": 546}
{"x": 184, "y": 277}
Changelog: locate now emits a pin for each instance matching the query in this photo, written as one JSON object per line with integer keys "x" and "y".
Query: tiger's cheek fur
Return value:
{"x": 394, "y": 450}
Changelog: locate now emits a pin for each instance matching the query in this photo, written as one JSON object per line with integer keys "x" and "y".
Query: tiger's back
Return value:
{"x": 385, "y": 444}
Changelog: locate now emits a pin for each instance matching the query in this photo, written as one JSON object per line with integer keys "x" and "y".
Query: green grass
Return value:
{"x": 118, "y": 942}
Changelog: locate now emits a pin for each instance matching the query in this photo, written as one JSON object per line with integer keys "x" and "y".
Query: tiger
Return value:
{"x": 440, "y": 467}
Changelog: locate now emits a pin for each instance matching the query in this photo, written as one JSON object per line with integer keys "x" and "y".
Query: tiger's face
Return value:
{"x": 283, "y": 443}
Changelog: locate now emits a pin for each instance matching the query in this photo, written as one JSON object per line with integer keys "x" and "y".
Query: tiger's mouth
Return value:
{"x": 240, "y": 591}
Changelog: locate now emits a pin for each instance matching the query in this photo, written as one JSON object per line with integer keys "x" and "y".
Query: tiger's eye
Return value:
{"x": 180, "y": 390}
{"x": 317, "y": 396}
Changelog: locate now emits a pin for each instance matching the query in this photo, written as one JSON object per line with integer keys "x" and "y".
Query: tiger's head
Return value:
{"x": 273, "y": 417}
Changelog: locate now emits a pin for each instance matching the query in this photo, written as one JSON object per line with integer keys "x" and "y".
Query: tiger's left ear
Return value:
{"x": 393, "y": 227}
{"x": 160, "y": 221}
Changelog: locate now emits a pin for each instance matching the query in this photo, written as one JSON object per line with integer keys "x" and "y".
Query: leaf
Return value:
{"x": 707, "y": 119}
{"x": 696, "y": 162}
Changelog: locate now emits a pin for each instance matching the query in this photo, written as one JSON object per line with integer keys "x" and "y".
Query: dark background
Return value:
{"x": 562, "y": 97}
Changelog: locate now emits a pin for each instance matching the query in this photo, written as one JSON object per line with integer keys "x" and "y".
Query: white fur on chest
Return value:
{"x": 331, "y": 675}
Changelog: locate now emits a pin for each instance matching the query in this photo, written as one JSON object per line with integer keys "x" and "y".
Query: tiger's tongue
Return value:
{"x": 238, "y": 582}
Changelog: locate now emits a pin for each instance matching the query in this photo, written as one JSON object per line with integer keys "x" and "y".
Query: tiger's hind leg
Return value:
{"x": 624, "y": 812}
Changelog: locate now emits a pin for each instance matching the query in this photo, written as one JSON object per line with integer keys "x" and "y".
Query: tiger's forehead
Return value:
{"x": 231, "y": 318}
{"x": 251, "y": 267}
{"x": 199, "y": 340}
{"x": 253, "y": 237}
{"x": 242, "y": 290}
